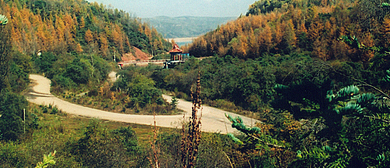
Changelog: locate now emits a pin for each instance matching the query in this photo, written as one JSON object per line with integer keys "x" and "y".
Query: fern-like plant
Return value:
{"x": 340, "y": 111}
{"x": 47, "y": 160}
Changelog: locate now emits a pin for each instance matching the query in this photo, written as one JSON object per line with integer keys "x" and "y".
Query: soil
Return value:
{"x": 139, "y": 54}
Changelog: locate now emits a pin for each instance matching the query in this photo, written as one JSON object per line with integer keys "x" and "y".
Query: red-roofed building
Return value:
{"x": 177, "y": 57}
{"x": 176, "y": 53}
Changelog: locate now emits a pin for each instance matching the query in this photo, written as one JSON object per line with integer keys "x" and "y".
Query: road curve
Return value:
{"x": 213, "y": 119}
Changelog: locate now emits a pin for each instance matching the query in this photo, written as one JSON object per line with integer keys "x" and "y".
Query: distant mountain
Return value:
{"x": 186, "y": 26}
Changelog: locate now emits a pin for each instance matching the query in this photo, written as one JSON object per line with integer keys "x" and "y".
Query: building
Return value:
{"x": 177, "y": 57}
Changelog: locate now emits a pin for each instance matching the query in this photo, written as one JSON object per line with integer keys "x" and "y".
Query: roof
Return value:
{"x": 176, "y": 49}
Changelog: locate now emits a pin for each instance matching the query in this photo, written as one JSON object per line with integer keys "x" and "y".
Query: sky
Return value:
{"x": 174, "y": 8}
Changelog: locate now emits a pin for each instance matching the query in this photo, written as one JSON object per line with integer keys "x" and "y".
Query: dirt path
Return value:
{"x": 213, "y": 120}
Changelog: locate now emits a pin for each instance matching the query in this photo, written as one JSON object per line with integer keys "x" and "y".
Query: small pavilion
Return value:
{"x": 176, "y": 53}
{"x": 177, "y": 57}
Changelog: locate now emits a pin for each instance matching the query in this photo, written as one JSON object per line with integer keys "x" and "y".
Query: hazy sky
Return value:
{"x": 172, "y": 8}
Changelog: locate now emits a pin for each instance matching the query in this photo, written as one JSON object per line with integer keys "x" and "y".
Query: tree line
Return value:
{"x": 285, "y": 27}
{"x": 77, "y": 26}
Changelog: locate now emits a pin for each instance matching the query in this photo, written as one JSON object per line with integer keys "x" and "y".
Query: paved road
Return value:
{"x": 213, "y": 119}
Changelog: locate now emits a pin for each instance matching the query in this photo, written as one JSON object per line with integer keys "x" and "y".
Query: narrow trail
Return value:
{"x": 213, "y": 119}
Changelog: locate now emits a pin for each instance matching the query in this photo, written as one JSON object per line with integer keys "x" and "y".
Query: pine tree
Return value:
{"x": 343, "y": 113}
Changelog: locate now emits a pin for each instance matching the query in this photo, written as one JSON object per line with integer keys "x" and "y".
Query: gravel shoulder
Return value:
{"x": 213, "y": 119}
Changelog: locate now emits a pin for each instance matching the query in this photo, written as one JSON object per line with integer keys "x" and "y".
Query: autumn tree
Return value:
{"x": 385, "y": 31}
{"x": 289, "y": 37}
{"x": 319, "y": 49}
{"x": 88, "y": 36}
{"x": 103, "y": 44}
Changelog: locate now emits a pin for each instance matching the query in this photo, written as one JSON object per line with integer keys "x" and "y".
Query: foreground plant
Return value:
{"x": 190, "y": 141}
{"x": 47, "y": 160}
{"x": 349, "y": 129}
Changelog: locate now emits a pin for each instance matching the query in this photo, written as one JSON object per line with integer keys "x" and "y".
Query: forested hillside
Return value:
{"x": 314, "y": 71}
{"x": 71, "y": 42}
{"x": 283, "y": 27}
{"x": 77, "y": 26}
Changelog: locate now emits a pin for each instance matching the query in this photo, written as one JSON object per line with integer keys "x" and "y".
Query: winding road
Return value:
{"x": 213, "y": 119}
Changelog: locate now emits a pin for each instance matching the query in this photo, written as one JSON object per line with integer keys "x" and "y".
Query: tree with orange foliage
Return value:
{"x": 368, "y": 41}
{"x": 88, "y": 36}
{"x": 315, "y": 30}
{"x": 253, "y": 45}
{"x": 116, "y": 37}
{"x": 103, "y": 44}
{"x": 266, "y": 38}
{"x": 289, "y": 35}
{"x": 82, "y": 23}
{"x": 319, "y": 49}
{"x": 243, "y": 46}
{"x": 385, "y": 31}
{"x": 78, "y": 48}
{"x": 277, "y": 35}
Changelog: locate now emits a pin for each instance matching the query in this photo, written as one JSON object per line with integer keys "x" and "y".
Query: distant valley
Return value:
{"x": 186, "y": 26}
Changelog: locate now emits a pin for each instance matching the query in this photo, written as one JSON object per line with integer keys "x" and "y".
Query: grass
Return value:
{"x": 55, "y": 132}
{"x": 60, "y": 132}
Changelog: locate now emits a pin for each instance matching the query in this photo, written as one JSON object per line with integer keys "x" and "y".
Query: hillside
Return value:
{"x": 314, "y": 71}
{"x": 77, "y": 26}
{"x": 185, "y": 26}
{"x": 137, "y": 54}
{"x": 288, "y": 27}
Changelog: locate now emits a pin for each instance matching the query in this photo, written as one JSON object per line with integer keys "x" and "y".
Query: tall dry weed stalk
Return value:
{"x": 154, "y": 159}
{"x": 191, "y": 138}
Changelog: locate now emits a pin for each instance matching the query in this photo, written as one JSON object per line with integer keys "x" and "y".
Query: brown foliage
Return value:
{"x": 191, "y": 138}
{"x": 88, "y": 36}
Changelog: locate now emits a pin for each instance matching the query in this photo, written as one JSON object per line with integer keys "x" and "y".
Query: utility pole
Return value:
{"x": 24, "y": 120}
{"x": 114, "y": 56}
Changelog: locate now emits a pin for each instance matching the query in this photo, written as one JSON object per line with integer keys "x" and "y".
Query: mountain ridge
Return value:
{"x": 186, "y": 26}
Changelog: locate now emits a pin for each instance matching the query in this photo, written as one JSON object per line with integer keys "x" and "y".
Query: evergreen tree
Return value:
{"x": 337, "y": 143}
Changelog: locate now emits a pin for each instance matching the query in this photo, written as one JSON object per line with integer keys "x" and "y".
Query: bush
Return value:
{"x": 54, "y": 110}
{"x": 46, "y": 61}
{"x": 78, "y": 71}
{"x": 11, "y": 111}
{"x": 174, "y": 102}
{"x": 44, "y": 109}
{"x": 160, "y": 101}
{"x": 11, "y": 156}
{"x": 63, "y": 82}
{"x": 101, "y": 148}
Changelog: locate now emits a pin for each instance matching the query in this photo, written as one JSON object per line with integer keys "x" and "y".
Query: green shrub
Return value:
{"x": 54, "y": 110}
{"x": 12, "y": 106}
{"x": 44, "y": 109}
{"x": 11, "y": 155}
{"x": 160, "y": 101}
{"x": 174, "y": 102}
{"x": 64, "y": 82}
{"x": 102, "y": 148}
